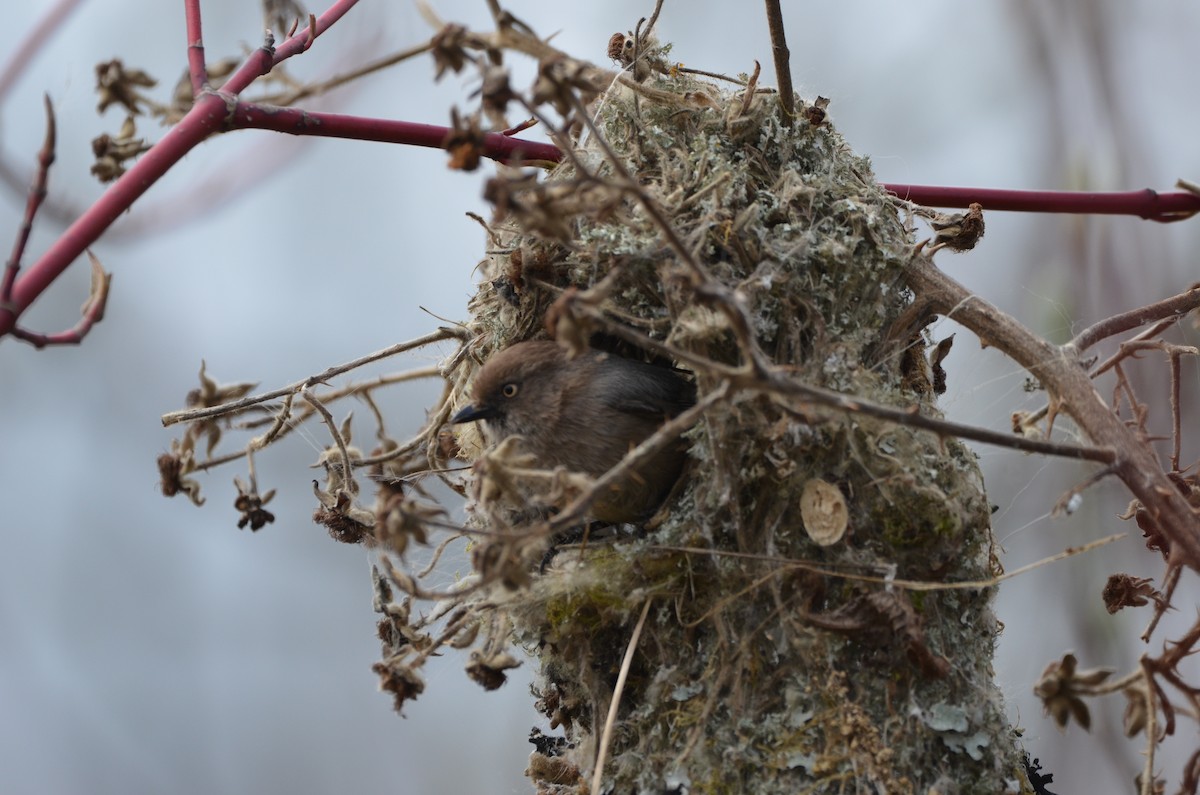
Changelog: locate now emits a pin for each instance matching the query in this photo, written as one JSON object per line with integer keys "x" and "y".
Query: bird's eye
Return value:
{"x": 509, "y": 390}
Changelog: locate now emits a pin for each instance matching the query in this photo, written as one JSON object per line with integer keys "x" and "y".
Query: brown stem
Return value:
{"x": 1176, "y": 352}
{"x": 783, "y": 71}
{"x": 774, "y": 382}
{"x": 189, "y": 415}
{"x": 1069, "y": 384}
{"x": 1174, "y": 308}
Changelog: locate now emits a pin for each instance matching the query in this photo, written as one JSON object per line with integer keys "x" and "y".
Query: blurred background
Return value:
{"x": 147, "y": 645}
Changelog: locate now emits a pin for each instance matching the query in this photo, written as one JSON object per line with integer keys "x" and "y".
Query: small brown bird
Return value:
{"x": 584, "y": 414}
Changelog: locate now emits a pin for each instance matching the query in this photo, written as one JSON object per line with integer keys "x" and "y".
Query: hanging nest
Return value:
{"x": 698, "y": 228}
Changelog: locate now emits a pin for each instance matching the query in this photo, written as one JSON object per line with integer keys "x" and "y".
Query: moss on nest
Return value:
{"x": 750, "y": 664}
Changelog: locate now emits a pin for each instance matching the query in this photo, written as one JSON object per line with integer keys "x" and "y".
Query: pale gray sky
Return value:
{"x": 149, "y": 646}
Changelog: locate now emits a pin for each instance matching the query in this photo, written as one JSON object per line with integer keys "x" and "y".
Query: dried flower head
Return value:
{"x": 117, "y": 85}
{"x": 1062, "y": 688}
{"x": 1125, "y": 590}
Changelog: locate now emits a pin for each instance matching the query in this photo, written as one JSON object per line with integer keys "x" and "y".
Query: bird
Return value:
{"x": 584, "y": 413}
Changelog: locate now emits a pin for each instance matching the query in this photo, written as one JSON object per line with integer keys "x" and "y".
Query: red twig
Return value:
{"x": 92, "y": 313}
{"x": 302, "y": 40}
{"x": 217, "y": 111}
{"x": 204, "y": 118}
{"x": 37, "y": 193}
{"x": 210, "y": 113}
{"x": 1148, "y": 204}
{"x": 300, "y": 122}
{"x": 262, "y": 60}
{"x": 197, "y": 69}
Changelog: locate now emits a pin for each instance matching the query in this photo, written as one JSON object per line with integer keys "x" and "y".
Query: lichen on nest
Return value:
{"x": 790, "y": 227}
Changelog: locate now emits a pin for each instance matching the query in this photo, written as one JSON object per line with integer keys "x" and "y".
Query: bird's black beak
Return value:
{"x": 471, "y": 413}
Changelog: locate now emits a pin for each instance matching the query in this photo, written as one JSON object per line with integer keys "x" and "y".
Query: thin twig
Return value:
{"x": 653, "y": 19}
{"x": 437, "y": 555}
{"x": 37, "y": 194}
{"x": 430, "y": 430}
{"x": 189, "y": 415}
{"x": 404, "y": 582}
{"x": 301, "y": 41}
{"x": 343, "y": 451}
{"x": 912, "y": 585}
{"x": 687, "y": 70}
{"x": 912, "y": 418}
{"x": 779, "y": 382}
{"x": 1107, "y": 364}
{"x": 197, "y": 68}
{"x": 209, "y": 113}
{"x": 783, "y": 69}
{"x": 1161, "y": 606}
{"x": 1172, "y": 308}
{"x": 297, "y": 121}
{"x": 611, "y": 719}
{"x": 1069, "y": 386}
{"x": 1123, "y": 352}
{"x": 316, "y": 89}
{"x": 1064, "y": 502}
{"x": 1147, "y": 787}
{"x": 357, "y": 388}
{"x": 251, "y": 473}
{"x": 1176, "y": 353}
{"x": 1111, "y": 686}
{"x": 277, "y": 426}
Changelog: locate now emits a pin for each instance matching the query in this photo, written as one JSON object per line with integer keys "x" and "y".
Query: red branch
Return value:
{"x": 303, "y": 38}
{"x": 1148, "y": 204}
{"x": 205, "y": 118}
{"x": 220, "y": 110}
{"x": 301, "y": 122}
{"x": 197, "y": 70}
{"x": 210, "y": 113}
{"x": 37, "y": 194}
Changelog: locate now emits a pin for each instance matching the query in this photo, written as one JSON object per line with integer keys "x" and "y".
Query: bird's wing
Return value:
{"x": 643, "y": 389}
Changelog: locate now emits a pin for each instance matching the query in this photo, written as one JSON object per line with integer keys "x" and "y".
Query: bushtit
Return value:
{"x": 584, "y": 414}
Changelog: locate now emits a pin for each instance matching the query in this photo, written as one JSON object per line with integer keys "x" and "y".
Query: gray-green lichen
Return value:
{"x": 769, "y": 663}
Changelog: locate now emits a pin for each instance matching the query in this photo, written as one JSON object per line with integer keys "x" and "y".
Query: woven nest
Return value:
{"x": 721, "y": 233}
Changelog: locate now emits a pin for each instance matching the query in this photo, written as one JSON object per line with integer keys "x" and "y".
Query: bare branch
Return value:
{"x": 783, "y": 69}
{"x": 779, "y": 382}
{"x": 189, "y": 415}
{"x": 1172, "y": 308}
{"x": 343, "y": 453}
{"x": 37, "y": 194}
{"x": 1059, "y": 371}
